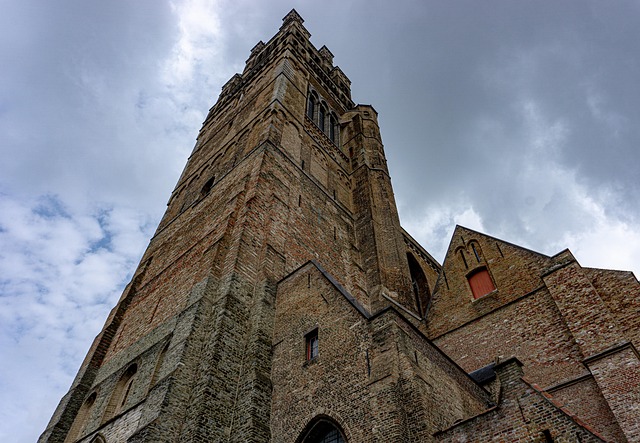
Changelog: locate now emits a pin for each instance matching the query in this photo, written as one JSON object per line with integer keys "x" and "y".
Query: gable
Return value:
{"x": 481, "y": 273}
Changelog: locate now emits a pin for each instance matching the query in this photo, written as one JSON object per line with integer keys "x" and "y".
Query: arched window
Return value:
{"x": 311, "y": 106}
{"x": 333, "y": 129}
{"x": 477, "y": 252}
{"x": 207, "y": 186}
{"x": 420, "y": 284}
{"x": 322, "y": 431}
{"x": 120, "y": 394}
{"x": 322, "y": 112}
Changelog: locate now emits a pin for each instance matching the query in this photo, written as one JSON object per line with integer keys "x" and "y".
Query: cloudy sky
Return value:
{"x": 517, "y": 118}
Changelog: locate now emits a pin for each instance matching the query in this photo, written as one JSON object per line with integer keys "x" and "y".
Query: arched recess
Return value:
{"x": 291, "y": 141}
{"x": 120, "y": 394}
{"x": 322, "y": 429}
{"x": 158, "y": 367}
{"x": 312, "y": 105}
{"x": 81, "y": 418}
{"x": 319, "y": 166}
{"x": 476, "y": 250}
{"x": 334, "y": 129}
{"x": 419, "y": 284}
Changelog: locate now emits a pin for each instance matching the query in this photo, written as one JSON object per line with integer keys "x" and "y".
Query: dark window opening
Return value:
{"x": 333, "y": 129}
{"x": 321, "y": 117}
{"x": 324, "y": 432}
{"x": 419, "y": 284}
{"x": 475, "y": 252}
{"x": 207, "y": 186}
{"x": 481, "y": 283}
{"x": 311, "y": 340}
{"x": 547, "y": 436}
{"x": 464, "y": 260}
{"x": 311, "y": 107}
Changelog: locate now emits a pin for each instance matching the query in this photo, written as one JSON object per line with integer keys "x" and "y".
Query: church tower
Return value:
{"x": 286, "y": 169}
{"x": 280, "y": 300}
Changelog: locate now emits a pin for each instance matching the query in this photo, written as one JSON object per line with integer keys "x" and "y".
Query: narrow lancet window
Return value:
{"x": 312, "y": 344}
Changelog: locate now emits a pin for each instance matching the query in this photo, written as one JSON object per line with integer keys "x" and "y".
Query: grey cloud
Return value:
{"x": 515, "y": 117}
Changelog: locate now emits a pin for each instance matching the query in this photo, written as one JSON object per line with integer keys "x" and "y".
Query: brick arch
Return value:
{"x": 319, "y": 428}
{"x": 475, "y": 251}
{"x": 158, "y": 366}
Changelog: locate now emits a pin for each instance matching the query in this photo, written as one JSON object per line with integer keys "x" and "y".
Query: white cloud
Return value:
{"x": 61, "y": 273}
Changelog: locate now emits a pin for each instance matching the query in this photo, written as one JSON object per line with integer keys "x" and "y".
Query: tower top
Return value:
{"x": 292, "y": 16}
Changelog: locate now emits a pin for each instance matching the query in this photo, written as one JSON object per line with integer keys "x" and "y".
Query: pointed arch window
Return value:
{"x": 311, "y": 106}
{"x": 333, "y": 128}
{"x": 419, "y": 284}
{"x": 323, "y": 431}
{"x": 322, "y": 112}
{"x": 156, "y": 370}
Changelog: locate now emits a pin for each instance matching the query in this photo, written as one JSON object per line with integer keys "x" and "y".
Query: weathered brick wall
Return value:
{"x": 620, "y": 291}
{"x": 514, "y": 270}
{"x": 378, "y": 378}
{"x": 542, "y": 341}
{"x": 584, "y": 398}
{"x": 523, "y": 416}
{"x": 335, "y": 383}
{"x": 436, "y": 392}
{"x": 592, "y": 326}
{"x": 618, "y": 377}
{"x": 556, "y": 321}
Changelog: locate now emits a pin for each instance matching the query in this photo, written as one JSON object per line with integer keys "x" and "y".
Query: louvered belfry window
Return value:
{"x": 481, "y": 283}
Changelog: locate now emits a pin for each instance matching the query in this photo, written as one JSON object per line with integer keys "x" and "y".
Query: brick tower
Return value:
{"x": 281, "y": 301}
{"x": 286, "y": 169}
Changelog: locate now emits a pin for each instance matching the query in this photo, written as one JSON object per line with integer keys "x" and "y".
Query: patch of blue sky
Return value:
{"x": 105, "y": 241}
{"x": 50, "y": 206}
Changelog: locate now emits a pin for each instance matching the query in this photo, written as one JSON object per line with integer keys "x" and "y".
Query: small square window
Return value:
{"x": 312, "y": 344}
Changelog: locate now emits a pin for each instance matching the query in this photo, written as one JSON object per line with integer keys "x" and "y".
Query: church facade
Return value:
{"x": 280, "y": 300}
